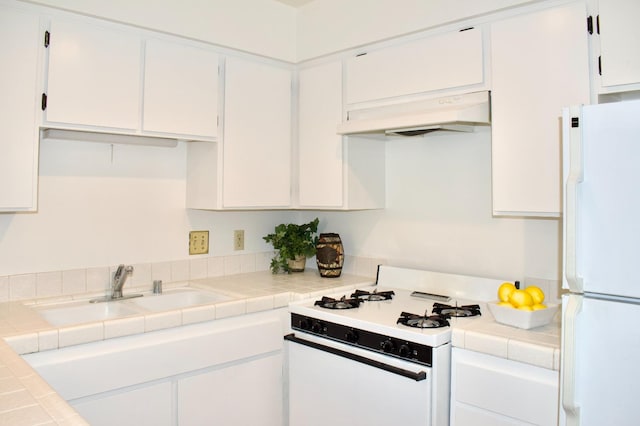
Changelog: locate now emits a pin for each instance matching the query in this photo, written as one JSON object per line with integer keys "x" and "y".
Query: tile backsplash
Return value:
{"x": 97, "y": 280}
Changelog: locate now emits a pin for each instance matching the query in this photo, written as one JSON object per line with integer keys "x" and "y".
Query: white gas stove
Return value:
{"x": 394, "y": 335}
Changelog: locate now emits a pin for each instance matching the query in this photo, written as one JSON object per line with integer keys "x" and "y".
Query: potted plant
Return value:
{"x": 295, "y": 243}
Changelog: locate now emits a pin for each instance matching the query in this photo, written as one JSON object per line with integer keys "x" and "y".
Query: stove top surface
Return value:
{"x": 381, "y": 314}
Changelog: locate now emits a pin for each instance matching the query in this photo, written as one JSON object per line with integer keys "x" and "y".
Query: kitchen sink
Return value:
{"x": 81, "y": 312}
{"x": 177, "y": 299}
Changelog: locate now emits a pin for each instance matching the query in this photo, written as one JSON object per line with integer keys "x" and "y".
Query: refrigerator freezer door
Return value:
{"x": 607, "y": 205}
{"x": 605, "y": 356}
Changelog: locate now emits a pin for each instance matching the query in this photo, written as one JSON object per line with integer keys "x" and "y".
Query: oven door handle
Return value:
{"x": 419, "y": 376}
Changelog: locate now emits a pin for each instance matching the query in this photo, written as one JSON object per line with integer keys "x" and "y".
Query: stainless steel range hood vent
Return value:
{"x": 459, "y": 113}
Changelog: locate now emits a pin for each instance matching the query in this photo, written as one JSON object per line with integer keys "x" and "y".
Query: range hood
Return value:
{"x": 459, "y": 113}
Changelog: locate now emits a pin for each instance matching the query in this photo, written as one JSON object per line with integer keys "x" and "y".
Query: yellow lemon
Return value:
{"x": 536, "y": 293}
{"x": 505, "y": 304}
{"x": 520, "y": 298}
{"x": 525, "y": 308}
{"x": 538, "y": 306}
{"x": 505, "y": 290}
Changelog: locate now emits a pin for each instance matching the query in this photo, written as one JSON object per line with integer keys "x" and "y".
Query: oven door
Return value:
{"x": 337, "y": 384}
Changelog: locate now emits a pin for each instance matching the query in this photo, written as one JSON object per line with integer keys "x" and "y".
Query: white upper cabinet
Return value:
{"x": 334, "y": 172}
{"x": 180, "y": 89}
{"x": 319, "y": 146}
{"x": 438, "y": 62}
{"x": 21, "y": 42}
{"x": 257, "y": 135}
{"x": 539, "y": 65}
{"x": 619, "y": 43}
{"x": 93, "y": 76}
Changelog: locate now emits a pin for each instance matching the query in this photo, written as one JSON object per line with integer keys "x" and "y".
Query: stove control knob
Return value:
{"x": 388, "y": 346}
{"x": 305, "y": 324}
{"x": 405, "y": 351}
{"x": 351, "y": 336}
{"x": 317, "y": 327}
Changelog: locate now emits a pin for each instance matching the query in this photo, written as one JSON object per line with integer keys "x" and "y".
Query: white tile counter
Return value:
{"x": 26, "y": 399}
{"x": 538, "y": 346}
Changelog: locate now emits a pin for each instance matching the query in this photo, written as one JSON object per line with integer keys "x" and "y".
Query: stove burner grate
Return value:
{"x": 373, "y": 296}
{"x": 342, "y": 303}
{"x": 422, "y": 321}
{"x": 449, "y": 311}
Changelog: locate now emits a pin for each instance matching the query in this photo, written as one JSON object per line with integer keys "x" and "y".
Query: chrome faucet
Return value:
{"x": 119, "y": 278}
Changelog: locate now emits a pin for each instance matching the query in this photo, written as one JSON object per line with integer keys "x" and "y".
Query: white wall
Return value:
{"x": 257, "y": 26}
{"x": 100, "y": 208}
{"x": 94, "y": 213}
{"x": 438, "y": 215}
{"x": 326, "y": 26}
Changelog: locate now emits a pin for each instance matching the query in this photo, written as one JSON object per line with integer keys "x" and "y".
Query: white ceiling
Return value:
{"x": 295, "y": 3}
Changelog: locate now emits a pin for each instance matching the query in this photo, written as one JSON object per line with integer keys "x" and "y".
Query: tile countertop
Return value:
{"x": 26, "y": 399}
{"x": 538, "y": 346}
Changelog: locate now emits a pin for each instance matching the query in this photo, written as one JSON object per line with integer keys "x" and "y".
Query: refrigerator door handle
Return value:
{"x": 569, "y": 359}
{"x": 575, "y": 175}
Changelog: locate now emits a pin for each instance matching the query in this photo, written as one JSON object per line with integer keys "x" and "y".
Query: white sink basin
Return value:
{"x": 177, "y": 299}
{"x": 60, "y": 315}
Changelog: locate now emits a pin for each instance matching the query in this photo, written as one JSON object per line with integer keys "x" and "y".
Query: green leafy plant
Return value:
{"x": 292, "y": 240}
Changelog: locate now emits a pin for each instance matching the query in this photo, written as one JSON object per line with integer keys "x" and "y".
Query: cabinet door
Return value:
{"x": 180, "y": 89}
{"x": 19, "y": 48}
{"x": 247, "y": 393}
{"x": 319, "y": 146}
{"x": 619, "y": 41}
{"x": 438, "y": 62}
{"x": 144, "y": 405}
{"x": 491, "y": 391}
{"x": 257, "y": 135}
{"x": 94, "y": 75}
{"x": 539, "y": 64}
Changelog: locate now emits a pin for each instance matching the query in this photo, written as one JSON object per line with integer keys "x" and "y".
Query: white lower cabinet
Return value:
{"x": 492, "y": 391}
{"x": 146, "y": 405}
{"x": 245, "y": 394}
{"x": 223, "y": 372}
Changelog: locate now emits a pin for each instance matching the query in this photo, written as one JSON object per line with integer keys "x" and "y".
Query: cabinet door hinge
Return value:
{"x": 47, "y": 38}
{"x": 44, "y": 101}
{"x": 590, "y": 24}
{"x": 600, "y": 65}
{"x": 575, "y": 122}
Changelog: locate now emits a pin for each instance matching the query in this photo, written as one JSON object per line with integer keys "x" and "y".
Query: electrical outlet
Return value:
{"x": 238, "y": 239}
{"x": 198, "y": 242}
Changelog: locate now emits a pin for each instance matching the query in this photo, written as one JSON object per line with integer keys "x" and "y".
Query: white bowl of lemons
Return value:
{"x": 522, "y": 308}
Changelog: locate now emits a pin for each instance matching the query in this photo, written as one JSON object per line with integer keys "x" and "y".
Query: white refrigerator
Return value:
{"x": 600, "y": 364}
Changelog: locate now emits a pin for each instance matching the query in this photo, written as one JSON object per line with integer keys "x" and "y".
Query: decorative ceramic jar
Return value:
{"x": 329, "y": 255}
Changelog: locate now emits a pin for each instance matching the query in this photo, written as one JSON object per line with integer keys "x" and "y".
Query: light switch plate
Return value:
{"x": 198, "y": 242}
